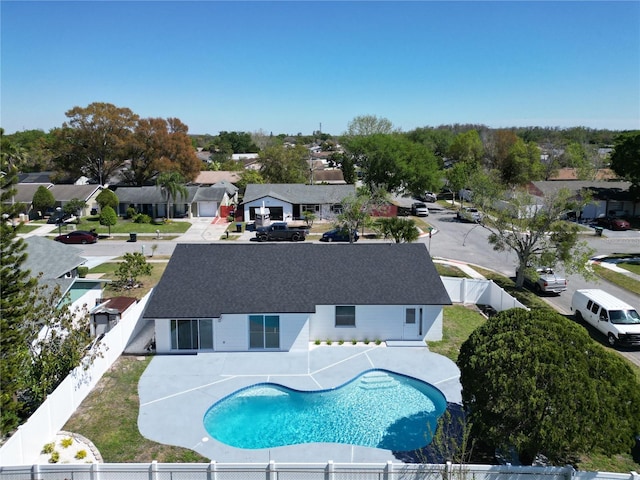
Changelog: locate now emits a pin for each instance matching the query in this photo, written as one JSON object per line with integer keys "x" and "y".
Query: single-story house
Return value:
{"x": 211, "y": 177}
{"x": 56, "y": 265}
{"x": 610, "y": 198}
{"x": 62, "y": 194}
{"x": 201, "y": 201}
{"x": 281, "y": 297}
{"x": 289, "y": 201}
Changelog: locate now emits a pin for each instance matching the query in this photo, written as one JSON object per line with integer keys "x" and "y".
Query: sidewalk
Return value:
{"x": 612, "y": 266}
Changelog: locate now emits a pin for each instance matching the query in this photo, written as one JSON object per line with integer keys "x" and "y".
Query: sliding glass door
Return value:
{"x": 264, "y": 331}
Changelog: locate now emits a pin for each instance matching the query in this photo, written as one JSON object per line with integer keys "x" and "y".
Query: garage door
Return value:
{"x": 207, "y": 209}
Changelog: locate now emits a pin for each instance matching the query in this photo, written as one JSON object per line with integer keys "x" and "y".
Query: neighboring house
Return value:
{"x": 63, "y": 194}
{"x": 289, "y": 201}
{"x": 35, "y": 177}
{"x": 568, "y": 173}
{"x": 609, "y": 198}
{"x": 329, "y": 176}
{"x": 24, "y": 196}
{"x": 56, "y": 264}
{"x": 280, "y": 297}
{"x": 200, "y": 201}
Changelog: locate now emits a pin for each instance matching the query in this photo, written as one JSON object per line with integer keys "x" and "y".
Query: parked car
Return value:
{"x": 545, "y": 280}
{"x": 58, "y": 217}
{"x": 616, "y": 319}
{"x": 79, "y": 236}
{"x": 469, "y": 214}
{"x": 428, "y": 197}
{"x": 612, "y": 223}
{"x": 338, "y": 235}
{"x": 281, "y": 231}
{"x": 420, "y": 209}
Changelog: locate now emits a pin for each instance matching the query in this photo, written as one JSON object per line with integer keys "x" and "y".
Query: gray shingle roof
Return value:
{"x": 207, "y": 280}
{"x": 64, "y": 193}
{"x": 297, "y": 193}
{"x": 151, "y": 195}
{"x": 212, "y": 194}
{"x": 50, "y": 258}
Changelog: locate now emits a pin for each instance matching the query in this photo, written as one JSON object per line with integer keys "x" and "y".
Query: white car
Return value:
{"x": 469, "y": 214}
{"x": 420, "y": 209}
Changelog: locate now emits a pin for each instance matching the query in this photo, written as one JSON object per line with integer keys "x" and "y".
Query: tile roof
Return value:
{"x": 297, "y": 193}
{"x": 209, "y": 177}
{"x": 207, "y": 280}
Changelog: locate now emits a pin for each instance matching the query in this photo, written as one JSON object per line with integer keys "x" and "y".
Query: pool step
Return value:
{"x": 377, "y": 381}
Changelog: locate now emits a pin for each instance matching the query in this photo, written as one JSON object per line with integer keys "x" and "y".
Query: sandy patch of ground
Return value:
{"x": 73, "y": 452}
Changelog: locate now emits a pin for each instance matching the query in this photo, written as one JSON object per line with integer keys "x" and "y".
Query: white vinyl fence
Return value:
{"x": 293, "y": 471}
{"x": 483, "y": 292}
{"x": 24, "y": 446}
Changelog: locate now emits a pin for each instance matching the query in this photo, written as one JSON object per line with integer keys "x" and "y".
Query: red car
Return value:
{"x": 613, "y": 223}
{"x": 79, "y": 236}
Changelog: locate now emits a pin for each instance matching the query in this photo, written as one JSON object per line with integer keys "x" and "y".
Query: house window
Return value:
{"x": 410, "y": 316}
{"x": 345, "y": 316}
{"x": 264, "y": 331}
{"x": 336, "y": 209}
{"x": 310, "y": 208}
{"x": 194, "y": 334}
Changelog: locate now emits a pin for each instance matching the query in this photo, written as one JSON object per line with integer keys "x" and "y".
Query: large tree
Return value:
{"x": 357, "y": 209}
{"x": 534, "y": 231}
{"x": 16, "y": 300}
{"x": 158, "y": 145}
{"x": 364, "y": 125}
{"x": 401, "y": 230}
{"x": 172, "y": 187}
{"x": 284, "y": 164}
{"x": 625, "y": 160}
{"x": 42, "y": 199}
{"x": 521, "y": 165}
{"x": 393, "y": 163}
{"x": 536, "y": 382}
{"x": 94, "y": 140}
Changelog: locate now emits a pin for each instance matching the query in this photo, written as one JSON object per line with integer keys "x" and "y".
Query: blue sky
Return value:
{"x": 289, "y": 67}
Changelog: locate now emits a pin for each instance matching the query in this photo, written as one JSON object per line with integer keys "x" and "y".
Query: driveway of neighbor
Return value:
{"x": 177, "y": 390}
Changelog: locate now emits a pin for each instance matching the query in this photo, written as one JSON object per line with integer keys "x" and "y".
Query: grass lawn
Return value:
{"x": 148, "y": 281}
{"x": 458, "y": 323}
{"x": 620, "y": 279}
{"x": 127, "y": 226}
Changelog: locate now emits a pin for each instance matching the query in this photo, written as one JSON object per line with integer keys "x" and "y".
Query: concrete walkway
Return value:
{"x": 177, "y": 390}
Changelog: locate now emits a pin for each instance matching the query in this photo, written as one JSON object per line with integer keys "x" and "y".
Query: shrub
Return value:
{"x": 378, "y": 342}
{"x": 82, "y": 271}
{"x": 66, "y": 442}
{"x": 317, "y": 342}
{"x": 55, "y": 457}
{"x": 131, "y": 212}
{"x": 48, "y": 448}
{"x": 329, "y": 342}
{"x": 366, "y": 341}
{"x": 354, "y": 341}
{"x": 142, "y": 218}
{"x": 80, "y": 454}
{"x": 340, "y": 342}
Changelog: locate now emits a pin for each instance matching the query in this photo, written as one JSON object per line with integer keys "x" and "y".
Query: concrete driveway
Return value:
{"x": 177, "y": 390}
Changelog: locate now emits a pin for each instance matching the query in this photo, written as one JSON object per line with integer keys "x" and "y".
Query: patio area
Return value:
{"x": 176, "y": 391}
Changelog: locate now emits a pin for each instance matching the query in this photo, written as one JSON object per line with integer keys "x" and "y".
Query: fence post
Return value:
{"x": 388, "y": 475}
{"x": 95, "y": 471}
{"x": 153, "y": 470}
{"x": 329, "y": 475}
{"x": 569, "y": 471}
{"x": 35, "y": 472}
{"x": 272, "y": 475}
{"x": 211, "y": 474}
{"x": 448, "y": 471}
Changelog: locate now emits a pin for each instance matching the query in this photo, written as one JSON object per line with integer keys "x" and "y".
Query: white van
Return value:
{"x": 618, "y": 320}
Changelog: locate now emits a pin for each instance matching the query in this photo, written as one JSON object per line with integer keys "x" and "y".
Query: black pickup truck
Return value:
{"x": 281, "y": 231}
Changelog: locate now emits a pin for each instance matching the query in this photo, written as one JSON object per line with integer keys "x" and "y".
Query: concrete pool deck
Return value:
{"x": 177, "y": 390}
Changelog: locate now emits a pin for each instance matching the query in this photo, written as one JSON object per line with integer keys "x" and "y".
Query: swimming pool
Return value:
{"x": 378, "y": 409}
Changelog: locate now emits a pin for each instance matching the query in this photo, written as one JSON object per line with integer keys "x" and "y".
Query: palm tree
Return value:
{"x": 172, "y": 185}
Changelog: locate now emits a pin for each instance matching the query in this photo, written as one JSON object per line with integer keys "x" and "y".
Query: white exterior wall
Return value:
{"x": 287, "y": 208}
{"x": 378, "y": 322}
{"x": 231, "y": 333}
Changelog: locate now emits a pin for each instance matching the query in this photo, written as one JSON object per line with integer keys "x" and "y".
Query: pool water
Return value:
{"x": 376, "y": 409}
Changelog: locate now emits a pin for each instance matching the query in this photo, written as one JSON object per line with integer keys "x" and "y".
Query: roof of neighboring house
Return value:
{"x": 600, "y": 190}
{"x": 208, "y": 280}
{"x": 568, "y": 173}
{"x": 24, "y": 192}
{"x": 35, "y": 177}
{"x": 151, "y": 195}
{"x": 330, "y": 176}
{"x": 210, "y": 194}
{"x": 65, "y": 193}
{"x": 52, "y": 259}
{"x": 210, "y": 177}
{"x": 297, "y": 193}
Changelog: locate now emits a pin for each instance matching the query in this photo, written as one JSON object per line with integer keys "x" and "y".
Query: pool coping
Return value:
{"x": 177, "y": 390}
